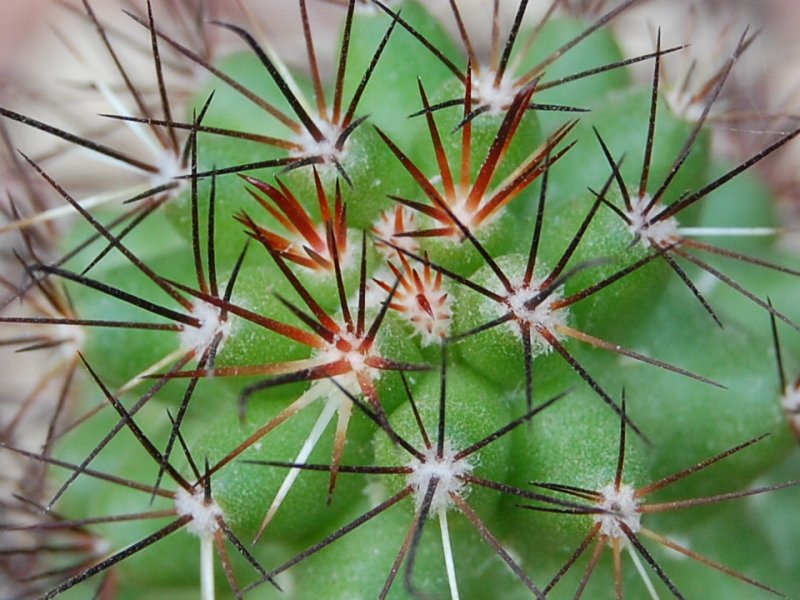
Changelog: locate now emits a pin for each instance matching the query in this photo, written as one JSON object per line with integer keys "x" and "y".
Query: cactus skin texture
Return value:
{"x": 431, "y": 322}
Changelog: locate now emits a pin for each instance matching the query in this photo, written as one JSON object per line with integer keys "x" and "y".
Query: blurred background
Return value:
{"x": 41, "y": 41}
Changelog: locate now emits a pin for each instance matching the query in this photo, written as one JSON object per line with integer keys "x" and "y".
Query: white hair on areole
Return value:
{"x": 620, "y": 508}
{"x": 447, "y": 469}
{"x": 204, "y": 514}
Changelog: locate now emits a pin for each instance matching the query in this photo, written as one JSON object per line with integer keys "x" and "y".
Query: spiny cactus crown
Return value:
{"x": 432, "y": 322}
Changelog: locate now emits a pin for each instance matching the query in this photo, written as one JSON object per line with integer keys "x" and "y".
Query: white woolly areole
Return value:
{"x": 682, "y": 104}
{"x": 170, "y": 168}
{"x": 621, "y": 508}
{"x": 541, "y": 315}
{"x": 211, "y": 323}
{"x": 325, "y": 148}
{"x": 497, "y": 97}
{"x": 100, "y": 547}
{"x": 467, "y": 217}
{"x": 447, "y": 469}
{"x": 73, "y": 337}
{"x": 385, "y": 228}
{"x": 427, "y": 307}
{"x": 344, "y": 248}
{"x": 790, "y": 401}
{"x": 464, "y": 215}
{"x": 355, "y": 358}
{"x": 659, "y": 234}
{"x": 375, "y": 295}
{"x": 432, "y": 328}
{"x": 204, "y": 515}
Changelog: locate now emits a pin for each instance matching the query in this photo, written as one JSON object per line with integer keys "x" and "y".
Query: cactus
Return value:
{"x": 438, "y": 323}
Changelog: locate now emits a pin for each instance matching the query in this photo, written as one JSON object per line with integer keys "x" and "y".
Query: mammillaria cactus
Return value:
{"x": 427, "y": 320}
